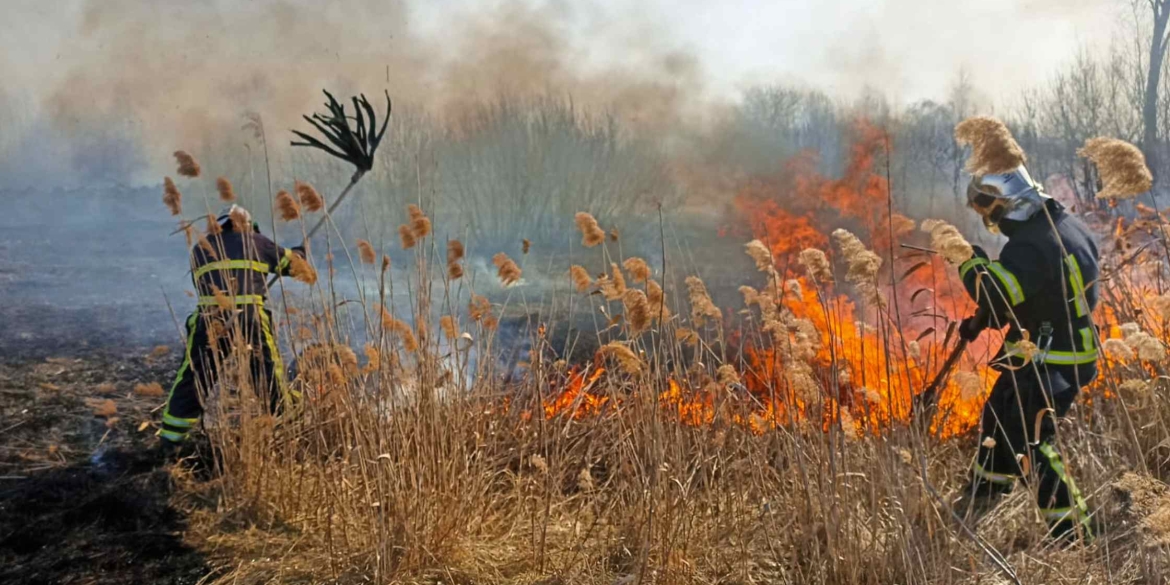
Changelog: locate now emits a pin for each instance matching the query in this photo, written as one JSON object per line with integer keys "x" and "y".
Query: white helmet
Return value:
{"x": 1012, "y": 195}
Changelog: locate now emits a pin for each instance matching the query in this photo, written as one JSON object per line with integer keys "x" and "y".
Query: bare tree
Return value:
{"x": 1160, "y": 10}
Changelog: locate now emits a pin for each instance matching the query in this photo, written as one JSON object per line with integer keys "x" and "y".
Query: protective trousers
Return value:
{"x": 1019, "y": 418}
{"x": 247, "y": 329}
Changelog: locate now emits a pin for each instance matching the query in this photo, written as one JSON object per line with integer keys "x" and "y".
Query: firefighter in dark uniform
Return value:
{"x": 229, "y": 273}
{"x": 1042, "y": 289}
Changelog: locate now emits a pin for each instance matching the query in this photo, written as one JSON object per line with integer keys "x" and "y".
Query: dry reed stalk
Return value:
{"x": 581, "y": 279}
{"x": 1121, "y": 165}
{"x": 761, "y": 254}
{"x": 188, "y": 166}
{"x": 862, "y": 266}
{"x": 407, "y": 237}
{"x": 222, "y": 300}
{"x": 591, "y": 232}
{"x": 506, "y": 269}
{"x": 947, "y": 241}
{"x": 311, "y": 200}
{"x": 702, "y": 307}
{"x": 172, "y": 198}
{"x": 287, "y": 207}
{"x": 420, "y": 224}
{"x": 638, "y": 268}
{"x": 993, "y": 150}
{"x": 627, "y": 360}
{"x": 366, "y": 251}
{"x": 301, "y": 270}
{"x": 637, "y": 309}
{"x": 817, "y": 265}
{"x": 224, "y": 187}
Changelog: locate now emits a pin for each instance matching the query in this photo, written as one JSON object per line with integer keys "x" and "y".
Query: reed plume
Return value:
{"x": 638, "y": 268}
{"x": 637, "y": 308}
{"x": 172, "y": 198}
{"x": 627, "y": 360}
{"x": 686, "y": 336}
{"x": 506, "y": 269}
{"x": 862, "y": 266}
{"x": 970, "y": 385}
{"x": 702, "y": 307}
{"x": 188, "y": 166}
{"x": 947, "y": 241}
{"x": 448, "y": 325}
{"x": 310, "y": 198}
{"x": 213, "y": 226}
{"x": 993, "y": 150}
{"x": 224, "y": 187}
{"x": 1121, "y": 165}
{"x": 407, "y": 237}
{"x": 525, "y": 246}
{"x": 817, "y": 265}
{"x": 241, "y": 223}
{"x": 399, "y": 327}
{"x": 420, "y": 224}
{"x": 288, "y": 208}
{"x": 454, "y": 255}
{"x": 591, "y": 233}
{"x": 581, "y": 279}
{"x": 366, "y": 251}
{"x": 761, "y": 254}
{"x": 373, "y": 358}
{"x": 301, "y": 270}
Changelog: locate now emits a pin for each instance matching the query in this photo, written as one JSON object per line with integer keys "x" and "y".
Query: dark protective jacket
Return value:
{"x": 1042, "y": 284}
{"x": 237, "y": 265}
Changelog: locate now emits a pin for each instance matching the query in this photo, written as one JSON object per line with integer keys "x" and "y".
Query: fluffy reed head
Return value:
{"x": 172, "y": 198}
{"x": 449, "y": 327}
{"x": 702, "y": 307}
{"x": 224, "y": 187}
{"x": 627, "y": 360}
{"x": 970, "y": 385}
{"x": 1121, "y": 165}
{"x": 241, "y": 221}
{"x": 506, "y": 269}
{"x": 301, "y": 270}
{"x": 188, "y": 166}
{"x": 287, "y": 207}
{"x": 637, "y": 308}
{"x": 862, "y": 266}
{"x": 401, "y": 329}
{"x": 407, "y": 236}
{"x": 213, "y": 226}
{"x": 525, "y": 246}
{"x": 581, "y": 279}
{"x": 591, "y": 233}
{"x": 366, "y": 251}
{"x": 480, "y": 310}
{"x": 760, "y": 253}
{"x": 947, "y": 241}
{"x": 993, "y": 150}
{"x": 420, "y": 224}
{"x": 455, "y": 251}
{"x": 310, "y": 198}
{"x": 638, "y": 268}
{"x": 817, "y": 264}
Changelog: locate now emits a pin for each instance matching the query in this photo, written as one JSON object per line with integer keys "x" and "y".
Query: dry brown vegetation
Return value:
{"x": 671, "y": 457}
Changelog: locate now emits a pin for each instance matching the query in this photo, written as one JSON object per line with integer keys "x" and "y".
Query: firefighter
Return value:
{"x": 1042, "y": 289}
{"x": 229, "y": 271}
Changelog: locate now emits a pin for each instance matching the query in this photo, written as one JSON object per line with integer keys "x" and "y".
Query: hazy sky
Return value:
{"x": 906, "y": 48}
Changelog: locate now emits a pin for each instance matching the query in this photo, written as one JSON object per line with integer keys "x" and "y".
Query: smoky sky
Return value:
{"x": 173, "y": 74}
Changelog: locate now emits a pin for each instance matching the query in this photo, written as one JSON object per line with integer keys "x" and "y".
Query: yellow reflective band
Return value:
{"x": 236, "y": 300}
{"x": 966, "y": 267}
{"x": 1077, "y": 281}
{"x": 171, "y": 435}
{"x": 191, "y": 324}
{"x": 993, "y": 477}
{"x": 277, "y": 362}
{"x": 1055, "y": 357}
{"x": 1087, "y": 338}
{"x": 285, "y": 261}
{"x": 1057, "y": 465}
{"x": 181, "y": 423}
{"x": 232, "y": 265}
{"x": 1059, "y": 514}
{"x": 1015, "y": 293}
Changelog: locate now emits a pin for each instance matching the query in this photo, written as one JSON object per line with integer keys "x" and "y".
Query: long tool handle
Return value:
{"x": 925, "y": 401}
{"x": 328, "y": 212}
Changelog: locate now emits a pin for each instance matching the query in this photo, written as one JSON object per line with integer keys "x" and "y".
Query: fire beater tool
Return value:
{"x": 354, "y": 144}
{"x": 925, "y": 402}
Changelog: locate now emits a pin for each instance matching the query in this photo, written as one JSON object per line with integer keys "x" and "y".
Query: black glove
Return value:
{"x": 971, "y": 327}
{"x": 299, "y": 251}
{"x": 979, "y": 252}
